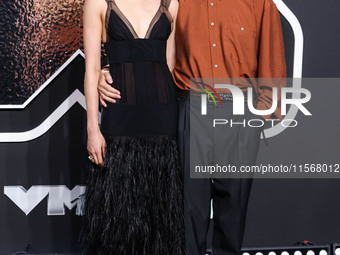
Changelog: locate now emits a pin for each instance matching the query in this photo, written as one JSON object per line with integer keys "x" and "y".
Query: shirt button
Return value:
{"x": 214, "y": 44}
{"x": 212, "y": 23}
{"x": 242, "y": 28}
{"x": 216, "y": 66}
{"x": 212, "y": 4}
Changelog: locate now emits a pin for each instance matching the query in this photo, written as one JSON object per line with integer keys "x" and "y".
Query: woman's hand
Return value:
{"x": 96, "y": 147}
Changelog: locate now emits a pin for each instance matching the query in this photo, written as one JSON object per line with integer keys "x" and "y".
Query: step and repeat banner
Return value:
{"x": 43, "y": 153}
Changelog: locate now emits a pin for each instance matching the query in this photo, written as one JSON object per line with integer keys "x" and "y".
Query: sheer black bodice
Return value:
{"x": 140, "y": 72}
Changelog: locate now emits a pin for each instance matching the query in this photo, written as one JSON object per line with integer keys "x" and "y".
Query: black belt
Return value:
{"x": 136, "y": 50}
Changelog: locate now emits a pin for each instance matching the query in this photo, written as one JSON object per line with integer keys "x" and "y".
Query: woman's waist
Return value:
{"x": 142, "y": 74}
{"x": 138, "y": 50}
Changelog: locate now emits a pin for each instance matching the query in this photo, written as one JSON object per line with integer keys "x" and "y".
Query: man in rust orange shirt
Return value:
{"x": 222, "y": 39}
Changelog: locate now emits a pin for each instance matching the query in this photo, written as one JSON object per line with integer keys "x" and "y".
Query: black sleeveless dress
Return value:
{"x": 133, "y": 205}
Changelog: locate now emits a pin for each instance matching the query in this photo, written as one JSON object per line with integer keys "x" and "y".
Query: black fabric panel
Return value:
{"x": 139, "y": 120}
{"x": 137, "y": 50}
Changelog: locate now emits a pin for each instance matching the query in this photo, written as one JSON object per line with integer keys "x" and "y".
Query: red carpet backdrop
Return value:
{"x": 43, "y": 153}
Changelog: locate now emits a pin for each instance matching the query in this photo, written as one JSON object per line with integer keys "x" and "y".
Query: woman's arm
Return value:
{"x": 171, "y": 45}
{"x": 93, "y": 27}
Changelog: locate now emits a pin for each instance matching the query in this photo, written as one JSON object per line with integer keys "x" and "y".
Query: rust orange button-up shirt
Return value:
{"x": 231, "y": 39}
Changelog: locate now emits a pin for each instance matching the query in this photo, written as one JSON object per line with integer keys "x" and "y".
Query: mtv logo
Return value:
{"x": 59, "y": 196}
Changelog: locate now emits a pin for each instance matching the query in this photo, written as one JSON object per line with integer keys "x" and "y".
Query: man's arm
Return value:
{"x": 272, "y": 63}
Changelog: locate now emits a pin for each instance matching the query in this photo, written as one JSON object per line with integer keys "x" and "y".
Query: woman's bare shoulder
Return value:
{"x": 96, "y": 5}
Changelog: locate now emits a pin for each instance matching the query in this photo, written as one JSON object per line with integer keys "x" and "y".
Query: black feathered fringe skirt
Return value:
{"x": 133, "y": 204}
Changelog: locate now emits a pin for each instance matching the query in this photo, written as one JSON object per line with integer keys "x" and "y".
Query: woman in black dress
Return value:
{"x": 133, "y": 199}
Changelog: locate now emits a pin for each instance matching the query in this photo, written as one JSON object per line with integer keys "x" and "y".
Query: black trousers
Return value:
{"x": 236, "y": 146}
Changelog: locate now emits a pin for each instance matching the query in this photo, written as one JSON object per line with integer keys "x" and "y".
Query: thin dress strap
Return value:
{"x": 166, "y": 3}
{"x": 107, "y": 16}
{"x": 163, "y": 8}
